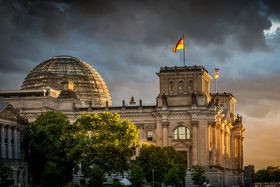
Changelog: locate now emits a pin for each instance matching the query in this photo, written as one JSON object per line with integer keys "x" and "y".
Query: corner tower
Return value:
{"x": 184, "y": 86}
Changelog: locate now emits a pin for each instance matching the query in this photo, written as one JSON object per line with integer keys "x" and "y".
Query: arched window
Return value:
{"x": 181, "y": 133}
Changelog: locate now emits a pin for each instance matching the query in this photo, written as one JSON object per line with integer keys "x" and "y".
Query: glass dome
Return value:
{"x": 89, "y": 85}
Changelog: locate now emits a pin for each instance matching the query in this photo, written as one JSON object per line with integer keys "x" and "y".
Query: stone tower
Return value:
{"x": 184, "y": 86}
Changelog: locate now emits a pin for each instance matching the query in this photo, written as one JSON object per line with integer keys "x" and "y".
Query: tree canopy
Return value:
{"x": 106, "y": 141}
{"x": 169, "y": 165}
{"x": 198, "y": 175}
{"x": 136, "y": 175}
{"x": 102, "y": 143}
{"x": 48, "y": 141}
{"x": 270, "y": 174}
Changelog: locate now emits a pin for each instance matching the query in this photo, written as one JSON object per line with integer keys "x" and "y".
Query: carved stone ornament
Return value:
{"x": 9, "y": 114}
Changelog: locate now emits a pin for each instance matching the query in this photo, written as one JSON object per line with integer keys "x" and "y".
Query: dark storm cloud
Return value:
{"x": 257, "y": 97}
{"x": 26, "y": 25}
{"x": 33, "y": 30}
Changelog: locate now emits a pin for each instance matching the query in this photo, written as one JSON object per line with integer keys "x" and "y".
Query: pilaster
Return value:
{"x": 214, "y": 145}
{"x": 9, "y": 138}
{"x": 165, "y": 126}
{"x": 15, "y": 143}
{"x": 159, "y": 132}
{"x": 194, "y": 142}
{"x": 3, "y": 147}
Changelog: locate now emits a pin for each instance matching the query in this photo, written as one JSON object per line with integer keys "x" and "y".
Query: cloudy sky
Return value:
{"x": 127, "y": 41}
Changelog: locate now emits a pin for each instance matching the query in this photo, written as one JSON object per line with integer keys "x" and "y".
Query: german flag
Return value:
{"x": 180, "y": 45}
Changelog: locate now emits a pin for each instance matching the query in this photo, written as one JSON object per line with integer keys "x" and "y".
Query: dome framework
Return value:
{"x": 89, "y": 85}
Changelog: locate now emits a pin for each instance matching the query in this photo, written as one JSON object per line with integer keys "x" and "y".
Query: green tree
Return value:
{"x": 262, "y": 175}
{"x": 96, "y": 177}
{"x": 5, "y": 176}
{"x": 106, "y": 141}
{"x": 161, "y": 160}
{"x": 198, "y": 175}
{"x": 136, "y": 175}
{"x": 172, "y": 177}
{"x": 48, "y": 140}
{"x": 268, "y": 175}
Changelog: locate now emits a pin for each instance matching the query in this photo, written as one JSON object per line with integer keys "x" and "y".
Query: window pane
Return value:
{"x": 175, "y": 135}
{"x": 150, "y": 135}
{"x": 182, "y": 130}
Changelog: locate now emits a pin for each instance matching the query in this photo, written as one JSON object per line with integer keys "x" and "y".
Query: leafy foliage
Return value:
{"x": 96, "y": 177}
{"x": 198, "y": 175}
{"x": 270, "y": 174}
{"x": 5, "y": 176}
{"x": 172, "y": 176}
{"x": 165, "y": 161}
{"x": 49, "y": 144}
{"x": 136, "y": 175}
{"x": 105, "y": 141}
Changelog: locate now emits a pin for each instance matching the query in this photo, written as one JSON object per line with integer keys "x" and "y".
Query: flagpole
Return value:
{"x": 216, "y": 86}
{"x": 184, "y": 51}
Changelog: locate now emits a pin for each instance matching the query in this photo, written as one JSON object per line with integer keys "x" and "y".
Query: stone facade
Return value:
{"x": 11, "y": 126}
{"x": 186, "y": 116}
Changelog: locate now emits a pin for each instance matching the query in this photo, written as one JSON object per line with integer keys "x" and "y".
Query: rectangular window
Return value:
{"x": 150, "y": 135}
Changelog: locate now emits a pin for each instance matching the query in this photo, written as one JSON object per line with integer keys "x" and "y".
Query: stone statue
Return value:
{"x": 164, "y": 100}
{"x": 194, "y": 102}
{"x": 140, "y": 102}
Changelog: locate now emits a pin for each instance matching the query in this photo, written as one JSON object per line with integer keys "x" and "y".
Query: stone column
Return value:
{"x": 240, "y": 153}
{"x": 232, "y": 150}
{"x": 15, "y": 144}
{"x": 214, "y": 146}
{"x": 10, "y": 153}
{"x": 203, "y": 141}
{"x": 159, "y": 132}
{"x": 222, "y": 147}
{"x": 18, "y": 147}
{"x": 241, "y": 161}
{"x": 3, "y": 150}
{"x": 165, "y": 133}
{"x": 219, "y": 151}
{"x": 194, "y": 142}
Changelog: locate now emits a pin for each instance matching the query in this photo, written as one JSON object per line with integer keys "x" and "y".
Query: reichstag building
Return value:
{"x": 186, "y": 115}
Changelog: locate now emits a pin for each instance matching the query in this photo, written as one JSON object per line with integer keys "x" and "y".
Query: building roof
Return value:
{"x": 3, "y": 105}
{"x": 89, "y": 85}
{"x": 182, "y": 68}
